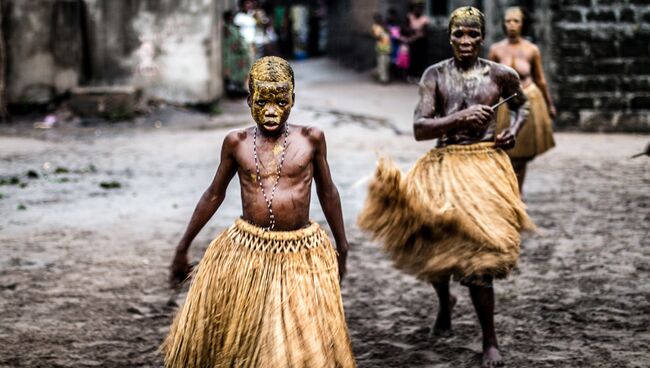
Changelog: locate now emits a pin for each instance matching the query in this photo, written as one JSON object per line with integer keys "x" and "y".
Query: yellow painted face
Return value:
{"x": 271, "y": 104}
{"x": 271, "y": 92}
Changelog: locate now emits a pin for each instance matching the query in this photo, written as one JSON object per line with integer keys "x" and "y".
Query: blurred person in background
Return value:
{"x": 393, "y": 27}
{"x": 382, "y": 48}
{"x": 245, "y": 20}
{"x": 236, "y": 58}
{"x": 524, "y": 57}
{"x": 418, "y": 22}
{"x": 403, "y": 55}
{"x": 283, "y": 29}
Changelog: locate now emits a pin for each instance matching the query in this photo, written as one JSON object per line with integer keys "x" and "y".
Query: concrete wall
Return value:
{"x": 169, "y": 48}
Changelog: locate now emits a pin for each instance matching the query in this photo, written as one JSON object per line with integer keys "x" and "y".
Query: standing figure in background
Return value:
{"x": 245, "y": 20}
{"x": 284, "y": 30}
{"x": 523, "y": 56}
{"x": 418, "y": 22}
{"x": 236, "y": 58}
{"x": 382, "y": 48}
{"x": 392, "y": 26}
{"x": 403, "y": 56}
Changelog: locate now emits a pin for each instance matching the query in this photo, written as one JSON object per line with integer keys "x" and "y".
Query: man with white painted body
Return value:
{"x": 457, "y": 212}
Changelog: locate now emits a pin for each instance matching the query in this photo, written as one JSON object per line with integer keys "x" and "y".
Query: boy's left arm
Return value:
{"x": 329, "y": 198}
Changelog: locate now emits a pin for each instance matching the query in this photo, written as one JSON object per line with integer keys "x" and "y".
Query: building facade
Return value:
{"x": 170, "y": 49}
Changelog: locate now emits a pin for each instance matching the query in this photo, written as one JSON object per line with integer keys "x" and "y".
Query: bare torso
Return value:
{"x": 293, "y": 192}
{"x": 453, "y": 89}
{"x": 519, "y": 56}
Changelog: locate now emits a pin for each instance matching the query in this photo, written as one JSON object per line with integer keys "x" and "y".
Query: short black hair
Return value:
{"x": 464, "y": 12}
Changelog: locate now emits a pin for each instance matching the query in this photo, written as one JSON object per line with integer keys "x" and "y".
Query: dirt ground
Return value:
{"x": 86, "y": 240}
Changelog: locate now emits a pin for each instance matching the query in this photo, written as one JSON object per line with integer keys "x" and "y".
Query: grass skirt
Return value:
{"x": 457, "y": 212}
{"x": 536, "y": 136}
{"x": 263, "y": 299}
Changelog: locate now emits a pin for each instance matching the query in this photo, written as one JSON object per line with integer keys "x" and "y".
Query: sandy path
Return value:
{"x": 83, "y": 269}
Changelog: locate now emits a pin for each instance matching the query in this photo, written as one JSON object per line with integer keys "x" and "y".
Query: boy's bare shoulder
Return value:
{"x": 313, "y": 134}
{"x": 234, "y": 137}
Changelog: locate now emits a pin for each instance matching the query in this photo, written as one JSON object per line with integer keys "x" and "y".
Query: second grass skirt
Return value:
{"x": 536, "y": 135}
{"x": 263, "y": 299}
{"x": 456, "y": 212}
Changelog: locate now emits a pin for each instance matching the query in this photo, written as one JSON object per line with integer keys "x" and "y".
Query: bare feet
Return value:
{"x": 491, "y": 358}
{"x": 442, "y": 326}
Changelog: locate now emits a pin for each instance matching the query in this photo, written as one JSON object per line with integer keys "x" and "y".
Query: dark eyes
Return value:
{"x": 473, "y": 34}
{"x": 262, "y": 103}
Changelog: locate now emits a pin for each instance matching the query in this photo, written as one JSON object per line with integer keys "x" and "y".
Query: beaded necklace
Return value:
{"x": 267, "y": 199}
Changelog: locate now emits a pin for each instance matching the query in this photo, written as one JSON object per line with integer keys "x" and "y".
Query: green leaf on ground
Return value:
{"x": 110, "y": 184}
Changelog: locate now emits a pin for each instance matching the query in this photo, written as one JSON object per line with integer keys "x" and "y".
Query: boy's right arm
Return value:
{"x": 207, "y": 206}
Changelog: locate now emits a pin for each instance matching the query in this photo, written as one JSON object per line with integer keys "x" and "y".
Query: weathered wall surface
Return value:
{"x": 601, "y": 52}
{"x": 169, "y": 48}
{"x": 349, "y": 32}
{"x": 596, "y": 54}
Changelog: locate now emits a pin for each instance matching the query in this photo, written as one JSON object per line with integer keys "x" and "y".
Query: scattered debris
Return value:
{"x": 21, "y": 207}
{"x": 61, "y": 170}
{"x": 110, "y": 184}
{"x": 13, "y": 180}
{"x": 644, "y": 153}
{"x": 9, "y": 286}
{"x": 32, "y": 174}
{"x": 134, "y": 310}
{"x": 110, "y": 102}
{"x": 47, "y": 123}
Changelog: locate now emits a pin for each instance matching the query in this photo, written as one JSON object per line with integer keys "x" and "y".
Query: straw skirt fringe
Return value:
{"x": 536, "y": 135}
{"x": 456, "y": 212}
{"x": 263, "y": 299}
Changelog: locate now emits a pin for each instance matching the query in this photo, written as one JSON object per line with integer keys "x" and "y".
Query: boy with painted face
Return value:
{"x": 266, "y": 293}
{"x": 457, "y": 213}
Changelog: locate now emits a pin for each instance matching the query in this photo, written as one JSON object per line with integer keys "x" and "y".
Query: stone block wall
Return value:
{"x": 601, "y": 57}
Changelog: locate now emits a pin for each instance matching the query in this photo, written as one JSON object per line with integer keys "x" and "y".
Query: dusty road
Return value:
{"x": 83, "y": 267}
